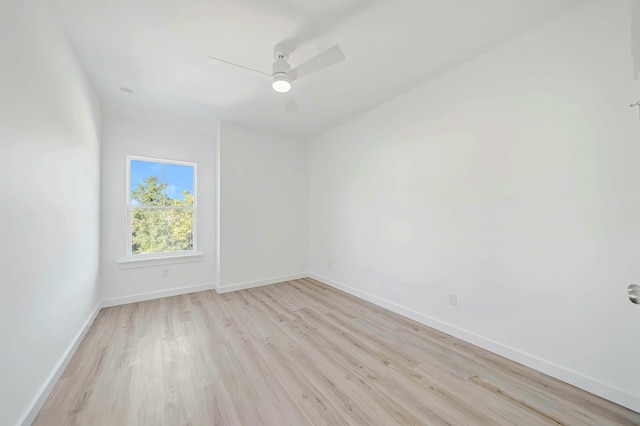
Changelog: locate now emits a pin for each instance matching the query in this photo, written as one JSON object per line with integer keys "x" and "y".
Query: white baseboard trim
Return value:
{"x": 259, "y": 283}
{"x": 156, "y": 295}
{"x": 596, "y": 387}
{"x": 42, "y": 395}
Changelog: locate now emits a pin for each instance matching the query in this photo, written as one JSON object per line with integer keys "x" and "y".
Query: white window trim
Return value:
{"x": 159, "y": 261}
{"x": 189, "y": 255}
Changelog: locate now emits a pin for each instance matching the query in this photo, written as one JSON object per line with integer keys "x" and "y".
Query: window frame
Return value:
{"x": 129, "y": 256}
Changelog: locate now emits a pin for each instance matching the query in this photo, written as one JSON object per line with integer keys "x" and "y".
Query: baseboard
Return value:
{"x": 156, "y": 295}
{"x": 596, "y": 387}
{"x": 259, "y": 283}
{"x": 48, "y": 385}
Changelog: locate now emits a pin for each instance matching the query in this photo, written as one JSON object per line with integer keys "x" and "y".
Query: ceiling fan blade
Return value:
{"x": 324, "y": 60}
{"x": 214, "y": 60}
{"x": 289, "y": 102}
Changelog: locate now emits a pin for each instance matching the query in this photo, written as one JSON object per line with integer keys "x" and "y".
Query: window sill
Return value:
{"x": 149, "y": 262}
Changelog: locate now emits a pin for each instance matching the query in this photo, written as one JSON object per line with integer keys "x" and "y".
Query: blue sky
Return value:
{"x": 179, "y": 177}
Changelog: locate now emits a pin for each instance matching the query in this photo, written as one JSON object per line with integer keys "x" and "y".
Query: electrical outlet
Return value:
{"x": 329, "y": 264}
{"x": 453, "y": 299}
{"x": 165, "y": 273}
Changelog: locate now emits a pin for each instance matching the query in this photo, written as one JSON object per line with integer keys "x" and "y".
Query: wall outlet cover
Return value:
{"x": 453, "y": 299}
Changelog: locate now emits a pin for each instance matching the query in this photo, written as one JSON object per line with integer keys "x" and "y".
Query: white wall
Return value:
{"x": 49, "y": 198}
{"x": 131, "y": 131}
{"x": 513, "y": 181}
{"x": 263, "y": 207}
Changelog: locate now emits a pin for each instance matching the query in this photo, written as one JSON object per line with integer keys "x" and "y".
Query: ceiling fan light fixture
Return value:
{"x": 281, "y": 84}
{"x": 282, "y": 75}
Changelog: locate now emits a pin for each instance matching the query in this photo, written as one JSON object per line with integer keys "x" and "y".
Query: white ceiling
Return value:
{"x": 160, "y": 49}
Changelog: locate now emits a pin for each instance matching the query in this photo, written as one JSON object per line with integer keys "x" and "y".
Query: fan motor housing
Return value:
{"x": 280, "y": 66}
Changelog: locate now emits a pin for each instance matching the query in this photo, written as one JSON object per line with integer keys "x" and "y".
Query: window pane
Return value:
{"x": 158, "y": 231}
{"x": 179, "y": 184}
{"x": 147, "y": 183}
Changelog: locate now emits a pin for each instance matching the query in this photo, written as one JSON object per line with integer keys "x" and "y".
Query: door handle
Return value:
{"x": 634, "y": 293}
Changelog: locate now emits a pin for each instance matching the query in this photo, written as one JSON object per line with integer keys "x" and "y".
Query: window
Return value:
{"x": 161, "y": 207}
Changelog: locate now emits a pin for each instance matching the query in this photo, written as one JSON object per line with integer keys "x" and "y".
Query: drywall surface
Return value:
{"x": 49, "y": 197}
{"x": 128, "y": 130}
{"x": 511, "y": 181}
{"x": 263, "y": 206}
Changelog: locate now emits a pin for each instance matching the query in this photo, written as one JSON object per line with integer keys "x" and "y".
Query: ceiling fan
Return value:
{"x": 282, "y": 75}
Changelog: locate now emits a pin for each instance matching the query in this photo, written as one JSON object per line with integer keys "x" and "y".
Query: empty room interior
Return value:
{"x": 341, "y": 212}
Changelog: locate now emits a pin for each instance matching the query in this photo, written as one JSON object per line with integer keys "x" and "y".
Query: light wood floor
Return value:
{"x": 298, "y": 353}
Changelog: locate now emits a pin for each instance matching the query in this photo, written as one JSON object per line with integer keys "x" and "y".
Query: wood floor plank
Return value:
{"x": 298, "y": 353}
